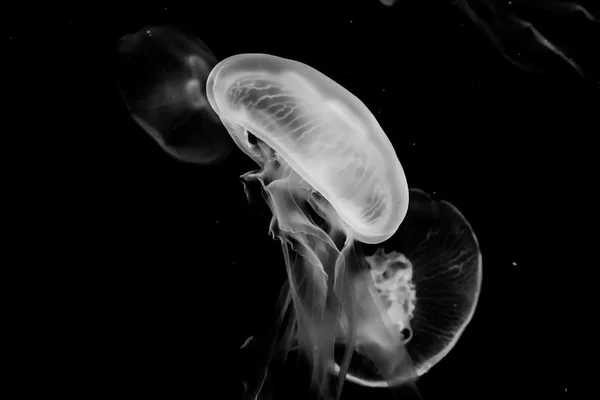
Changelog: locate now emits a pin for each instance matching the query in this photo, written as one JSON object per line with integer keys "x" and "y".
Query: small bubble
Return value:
{"x": 514, "y": 263}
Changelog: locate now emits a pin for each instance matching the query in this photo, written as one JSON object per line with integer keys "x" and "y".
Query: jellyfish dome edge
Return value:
{"x": 326, "y": 134}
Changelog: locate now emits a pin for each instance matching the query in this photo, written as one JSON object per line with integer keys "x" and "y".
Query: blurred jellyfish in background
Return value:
{"x": 539, "y": 36}
{"x": 332, "y": 180}
{"x": 431, "y": 279}
{"x": 161, "y": 73}
{"x": 549, "y": 37}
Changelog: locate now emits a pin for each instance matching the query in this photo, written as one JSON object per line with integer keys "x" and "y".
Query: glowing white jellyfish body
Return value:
{"x": 327, "y": 135}
{"x": 318, "y": 145}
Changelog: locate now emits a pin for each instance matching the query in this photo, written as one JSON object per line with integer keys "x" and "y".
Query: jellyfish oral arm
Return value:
{"x": 395, "y": 288}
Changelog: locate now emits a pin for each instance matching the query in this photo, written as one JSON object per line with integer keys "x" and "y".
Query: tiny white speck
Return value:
{"x": 414, "y": 144}
{"x": 514, "y": 263}
{"x": 433, "y": 192}
{"x": 510, "y": 2}
{"x": 217, "y": 222}
{"x": 148, "y": 32}
{"x": 383, "y": 90}
{"x": 350, "y": 21}
{"x": 165, "y": 8}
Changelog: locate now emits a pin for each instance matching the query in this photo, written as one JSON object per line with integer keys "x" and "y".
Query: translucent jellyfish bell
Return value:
{"x": 441, "y": 259}
{"x": 430, "y": 283}
{"x": 161, "y": 73}
{"x": 318, "y": 128}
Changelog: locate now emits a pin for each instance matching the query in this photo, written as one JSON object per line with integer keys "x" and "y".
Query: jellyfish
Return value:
{"x": 334, "y": 185}
{"x": 161, "y": 73}
{"x": 541, "y": 37}
{"x": 431, "y": 281}
{"x": 332, "y": 180}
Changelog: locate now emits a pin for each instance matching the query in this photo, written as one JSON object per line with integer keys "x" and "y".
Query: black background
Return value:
{"x": 194, "y": 271}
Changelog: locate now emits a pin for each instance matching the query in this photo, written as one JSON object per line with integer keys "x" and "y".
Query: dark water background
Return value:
{"x": 196, "y": 272}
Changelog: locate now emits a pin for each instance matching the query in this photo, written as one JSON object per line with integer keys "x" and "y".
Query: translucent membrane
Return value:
{"x": 161, "y": 73}
{"x": 326, "y": 134}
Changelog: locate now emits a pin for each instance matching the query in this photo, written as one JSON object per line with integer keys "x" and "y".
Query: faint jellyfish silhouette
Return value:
{"x": 546, "y": 37}
{"x": 161, "y": 73}
{"x": 431, "y": 287}
{"x": 332, "y": 179}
